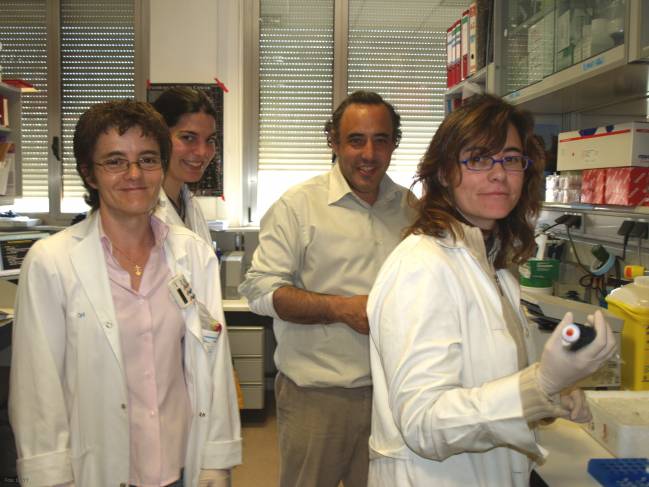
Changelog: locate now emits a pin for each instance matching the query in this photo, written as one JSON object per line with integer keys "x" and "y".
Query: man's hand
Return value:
{"x": 306, "y": 307}
{"x": 352, "y": 311}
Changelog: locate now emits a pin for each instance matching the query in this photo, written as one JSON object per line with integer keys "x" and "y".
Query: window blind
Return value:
{"x": 23, "y": 33}
{"x": 97, "y": 64}
{"x": 395, "y": 48}
{"x": 295, "y": 84}
{"x": 398, "y": 49}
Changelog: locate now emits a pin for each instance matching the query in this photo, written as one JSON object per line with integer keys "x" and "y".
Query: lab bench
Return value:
{"x": 570, "y": 448}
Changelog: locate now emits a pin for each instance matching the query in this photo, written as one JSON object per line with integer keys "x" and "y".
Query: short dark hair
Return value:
{"x": 484, "y": 118}
{"x": 332, "y": 127}
{"x": 180, "y": 100}
{"x": 120, "y": 115}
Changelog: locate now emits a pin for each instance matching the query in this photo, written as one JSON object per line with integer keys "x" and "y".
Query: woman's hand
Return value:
{"x": 561, "y": 368}
{"x": 577, "y": 405}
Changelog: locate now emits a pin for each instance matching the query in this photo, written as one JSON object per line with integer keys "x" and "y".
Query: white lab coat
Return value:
{"x": 196, "y": 221}
{"x": 447, "y": 407}
{"x": 68, "y": 399}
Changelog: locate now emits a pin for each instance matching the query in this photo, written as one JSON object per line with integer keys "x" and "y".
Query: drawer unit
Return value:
{"x": 246, "y": 340}
{"x": 253, "y": 396}
{"x": 247, "y": 348}
{"x": 250, "y": 369}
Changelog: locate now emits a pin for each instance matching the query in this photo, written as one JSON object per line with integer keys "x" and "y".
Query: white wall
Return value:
{"x": 195, "y": 41}
{"x": 183, "y": 41}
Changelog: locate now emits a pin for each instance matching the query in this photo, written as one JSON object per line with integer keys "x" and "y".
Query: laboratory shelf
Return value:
{"x": 479, "y": 78}
{"x": 600, "y": 81}
{"x": 558, "y": 57}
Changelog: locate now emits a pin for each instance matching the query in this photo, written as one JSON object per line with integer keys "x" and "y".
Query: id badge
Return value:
{"x": 181, "y": 291}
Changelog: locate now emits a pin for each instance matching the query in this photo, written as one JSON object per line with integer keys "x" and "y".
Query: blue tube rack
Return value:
{"x": 620, "y": 472}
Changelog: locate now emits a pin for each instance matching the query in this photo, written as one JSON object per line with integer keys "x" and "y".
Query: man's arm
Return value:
{"x": 306, "y": 307}
{"x": 270, "y": 282}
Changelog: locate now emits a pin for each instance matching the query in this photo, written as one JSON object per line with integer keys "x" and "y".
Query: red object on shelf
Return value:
{"x": 593, "y": 186}
{"x": 627, "y": 186}
{"x": 22, "y": 85}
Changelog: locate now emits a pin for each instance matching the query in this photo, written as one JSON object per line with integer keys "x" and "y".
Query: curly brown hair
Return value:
{"x": 484, "y": 118}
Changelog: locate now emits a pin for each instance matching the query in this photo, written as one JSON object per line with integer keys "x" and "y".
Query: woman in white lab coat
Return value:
{"x": 191, "y": 119}
{"x": 456, "y": 394}
{"x": 121, "y": 370}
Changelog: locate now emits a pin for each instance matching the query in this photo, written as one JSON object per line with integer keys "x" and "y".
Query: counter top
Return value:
{"x": 570, "y": 449}
{"x": 10, "y": 274}
{"x": 240, "y": 304}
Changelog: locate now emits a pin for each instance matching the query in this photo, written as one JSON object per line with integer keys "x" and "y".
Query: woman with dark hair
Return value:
{"x": 191, "y": 119}
{"x": 121, "y": 371}
{"x": 456, "y": 396}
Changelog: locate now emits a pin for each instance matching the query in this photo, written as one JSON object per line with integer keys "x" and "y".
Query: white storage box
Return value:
{"x": 620, "y": 422}
{"x": 621, "y": 145}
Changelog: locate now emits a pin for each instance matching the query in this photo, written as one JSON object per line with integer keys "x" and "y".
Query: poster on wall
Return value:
{"x": 211, "y": 184}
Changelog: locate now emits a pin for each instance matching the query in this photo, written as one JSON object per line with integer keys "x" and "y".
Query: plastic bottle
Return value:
{"x": 631, "y": 303}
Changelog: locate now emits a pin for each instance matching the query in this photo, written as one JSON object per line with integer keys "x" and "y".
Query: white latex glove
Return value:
{"x": 214, "y": 478}
{"x": 561, "y": 368}
{"x": 576, "y": 404}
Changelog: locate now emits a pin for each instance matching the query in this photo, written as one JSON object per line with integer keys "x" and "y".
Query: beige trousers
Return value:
{"x": 323, "y": 434}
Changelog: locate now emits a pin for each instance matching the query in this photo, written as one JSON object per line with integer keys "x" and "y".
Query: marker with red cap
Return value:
{"x": 575, "y": 336}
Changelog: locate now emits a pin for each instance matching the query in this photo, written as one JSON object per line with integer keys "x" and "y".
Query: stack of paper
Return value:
{"x": 217, "y": 225}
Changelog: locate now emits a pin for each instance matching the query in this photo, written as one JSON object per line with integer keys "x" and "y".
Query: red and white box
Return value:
{"x": 626, "y": 186}
{"x": 619, "y": 145}
{"x": 593, "y": 186}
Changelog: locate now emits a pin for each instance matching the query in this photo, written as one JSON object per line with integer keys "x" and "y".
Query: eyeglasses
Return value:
{"x": 120, "y": 164}
{"x": 509, "y": 163}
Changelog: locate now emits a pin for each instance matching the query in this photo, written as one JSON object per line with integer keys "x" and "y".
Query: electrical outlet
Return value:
{"x": 625, "y": 228}
{"x": 574, "y": 222}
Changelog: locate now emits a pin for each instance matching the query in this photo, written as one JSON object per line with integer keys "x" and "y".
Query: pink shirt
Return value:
{"x": 151, "y": 329}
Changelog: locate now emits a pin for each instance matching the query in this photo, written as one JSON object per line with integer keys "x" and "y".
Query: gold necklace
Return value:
{"x": 137, "y": 268}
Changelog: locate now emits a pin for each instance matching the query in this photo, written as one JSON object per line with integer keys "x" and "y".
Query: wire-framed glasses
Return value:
{"x": 514, "y": 163}
{"x": 121, "y": 164}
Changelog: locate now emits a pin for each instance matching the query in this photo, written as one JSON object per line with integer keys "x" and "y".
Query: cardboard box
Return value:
{"x": 626, "y": 186}
{"x": 620, "y": 422}
{"x": 593, "y": 186}
{"x": 620, "y": 145}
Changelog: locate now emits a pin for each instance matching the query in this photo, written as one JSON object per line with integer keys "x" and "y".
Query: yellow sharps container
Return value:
{"x": 631, "y": 303}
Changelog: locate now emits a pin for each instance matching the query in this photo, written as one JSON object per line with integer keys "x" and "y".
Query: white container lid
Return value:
{"x": 635, "y": 294}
